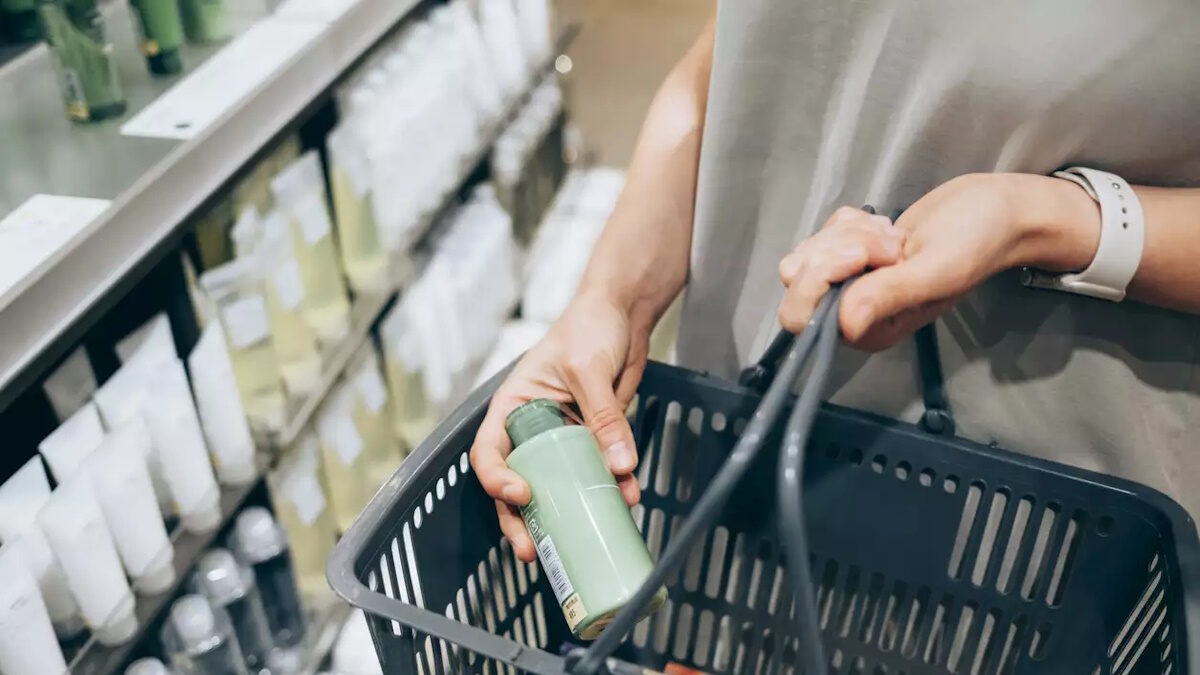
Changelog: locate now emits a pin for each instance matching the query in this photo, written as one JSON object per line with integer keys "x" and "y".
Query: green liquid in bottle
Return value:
{"x": 161, "y": 32}
{"x": 83, "y": 59}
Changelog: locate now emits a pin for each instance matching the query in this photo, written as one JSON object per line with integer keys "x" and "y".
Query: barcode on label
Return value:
{"x": 555, "y": 570}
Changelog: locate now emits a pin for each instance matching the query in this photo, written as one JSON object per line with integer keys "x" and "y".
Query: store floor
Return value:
{"x": 625, "y": 49}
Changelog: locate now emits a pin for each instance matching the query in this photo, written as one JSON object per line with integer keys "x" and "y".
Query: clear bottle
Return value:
{"x": 294, "y": 338}
{"x": 232, "y": 587}
{"x": 236, "y": 289}
{"x": 363, "y": 254}
{"x": 413, "y": 417}
{"x": 371, "y": 408}
{"x": 199, "y": 639}
{"x": 83, "y": 58}
{"x": 261, "y": 544}
{"x": 299, "y": 192}
{"x": 342, "y": 456}
{"x": 302, "y": 507}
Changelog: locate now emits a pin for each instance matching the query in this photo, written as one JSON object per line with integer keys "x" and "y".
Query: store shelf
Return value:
{"x": 153, "y": 184}
{"x": 368, "y": 309}
{"x": 325, "y": 631}
{"x": 94, "y": 658}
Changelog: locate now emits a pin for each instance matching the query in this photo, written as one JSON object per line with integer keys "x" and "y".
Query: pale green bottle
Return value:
{"x": 588, "y": 544}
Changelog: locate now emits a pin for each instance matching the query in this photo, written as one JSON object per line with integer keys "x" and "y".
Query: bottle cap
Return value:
{"x": 220, "y": 578}
{"x": 147, "y": 666}
{"x": 258, "y": 536}
{"x": 159, "y": 576}
{"x": 533, "y": 418}
{"x": 205, "y": 516}
{"x": 121, "y": 625}
{"x": 194, "y": 621}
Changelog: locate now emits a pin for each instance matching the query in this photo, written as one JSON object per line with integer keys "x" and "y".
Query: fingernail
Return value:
{"x": 511, "y": 493}
{"x": 620, "y": 456}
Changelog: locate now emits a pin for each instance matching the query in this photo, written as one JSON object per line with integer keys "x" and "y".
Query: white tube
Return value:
{"x": 27, "y": 642}
{"x": 222, "y": 416}
{"x": 153, "y": 336}
{"x": 22, "y": 496}
{"x": 71, "y": 385}
{"x": 179, "y": 444}
{"x": 75, "y": 528}
{"x": 67, "y": 446}
{"x": 118, "y": 474}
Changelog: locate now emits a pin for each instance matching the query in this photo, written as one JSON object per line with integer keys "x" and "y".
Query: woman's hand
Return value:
{"x": 949, "y": 241}
{"x": 594, "y": 355}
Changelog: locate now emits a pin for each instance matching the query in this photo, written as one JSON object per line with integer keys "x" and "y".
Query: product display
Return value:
{"x": 200, "y": 641}
{"x": 364, "y": 257}
{"x": 207, "y": 21}
{"x": 300, "y": 192}
{"x": 236, "y": 290}
{"x": 66, "y": 448}
{"x": 22, "y": 498}
{"x": 222, "y": 416}
{"x": 342, "y": 457}
{"x": 302, "y": 506}
{"x": 74, "y": 525}
{"x": 412, "y": 415}
{"x": 527, "y": 164}
{"x": 27, "y": 642}
{"x": 161, "y": 33}
{"x": 83, "y": 57}
{"x": 261, "y": 543}
{"x": 153, "y": 336}
{"x": 371, "y": 408}
{"x": 293, "y": 337}
{"x": 585, "y": 536}
{"x": 231, "y": 587}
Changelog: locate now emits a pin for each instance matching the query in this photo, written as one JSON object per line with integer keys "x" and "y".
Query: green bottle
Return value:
{"x": 83, "y": 59}
{"x": 588, "y": 544}
{"x": 207, "y": 21}
{"x": 162, "y": 34}
{"x": 18, "y": 20}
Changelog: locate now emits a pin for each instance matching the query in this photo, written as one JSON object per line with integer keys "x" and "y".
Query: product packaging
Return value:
{"x": 299, "y": 499}
{"x": 74, "y": 525}
{"x": 236, "y": 289}
{"x": 71, "y": 384}
{"x": 231, "y": 587}
{"x": 22, "y": 497}
{"x": 153, "y": 336}
{"x": 363, "y": 254}
{"x": 179, "y": 443}
{"x": 219, "y": 404}
{"x": 83, "y": 59}
{"x": 67, "y": 446}
{"x": 412, "y": 415}
{"x": 299, "y": 190}
{"x": 262, "y": 545}
{"x": 585, "y": 536}
{"x": 342, "y": 456}
{"x": 118, "y": 475}
{"x": 294, "y": 339}
{"x": 161, "y": 31}
{"x": 27, "y": 642}
{"x": 199, "y": 639}
{"x": 246, "y": 232}
{"x": 207, "y": 21}
{"x": 498, "y": 23}
{"x": 371, "y": 416}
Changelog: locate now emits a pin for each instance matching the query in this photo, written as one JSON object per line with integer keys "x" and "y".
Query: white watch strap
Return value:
{"x": 1122, "y": 237}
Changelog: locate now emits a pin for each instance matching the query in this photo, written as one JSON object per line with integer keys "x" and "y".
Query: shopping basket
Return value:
{"x": 928, "y": 553}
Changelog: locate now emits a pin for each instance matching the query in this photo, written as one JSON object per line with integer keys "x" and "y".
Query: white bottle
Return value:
{"x": 27, "y": 642}
{"x": 219, "y": 404}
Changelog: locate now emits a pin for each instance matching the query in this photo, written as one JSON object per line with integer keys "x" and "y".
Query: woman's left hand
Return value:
{"x": 949, "y": 241}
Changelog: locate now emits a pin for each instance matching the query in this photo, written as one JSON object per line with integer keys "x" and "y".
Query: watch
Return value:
{"x": 1122, "y": 238}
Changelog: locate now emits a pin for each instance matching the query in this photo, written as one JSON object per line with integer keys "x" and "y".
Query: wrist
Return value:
{"x": 1057, "y": 223}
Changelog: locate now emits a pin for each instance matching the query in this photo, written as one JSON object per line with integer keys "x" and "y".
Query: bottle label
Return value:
{"x": 572, "y": 605}
{"x": 345, "y": 439}
{"x": 289, "y": 285}
{"x": 372, "y": 389}
{"x": 304, "y": 491}
{"x": 246, "y": 321}
{"x": 313, "y": 219}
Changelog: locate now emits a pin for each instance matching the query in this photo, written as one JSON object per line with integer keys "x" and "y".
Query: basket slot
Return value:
{"x": 1065, "y": 562}
{"x": 704, "y": 638}
{"x": 668, "y": 447}
{"x": 918, "y": 612}
{"x": 1052, "y": 555}
{"x": 693, "y": 433}
{"x": 1033, "y": 558}
{"x": 991, "y": 536}
{"x": 970, "y": 530}
{"x": 1017, "y": 530}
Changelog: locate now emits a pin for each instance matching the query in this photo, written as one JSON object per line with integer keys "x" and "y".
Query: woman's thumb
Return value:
{"x": 592, "y": 387}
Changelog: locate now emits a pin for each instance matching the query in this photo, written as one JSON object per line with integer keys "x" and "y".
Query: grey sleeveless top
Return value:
{"x": 814, "y": 104}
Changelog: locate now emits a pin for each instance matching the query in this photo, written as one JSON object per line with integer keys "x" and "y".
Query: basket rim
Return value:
{"x": 342, "y": 561}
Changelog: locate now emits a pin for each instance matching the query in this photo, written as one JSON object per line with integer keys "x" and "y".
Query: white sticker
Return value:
{"x": 246, "y": 321}
{"x": 289, "y": 286}
{"x": 304, "y": 491}
{"x": 345, "y": 439}
{"x": 554, "y": 570}
{"x": 314, "y": 219}
{"x": 372, "y": 389}
{"x": 224, "y": 81}
{"x": 39, "y": 228}
{"x": 69, "y": 387}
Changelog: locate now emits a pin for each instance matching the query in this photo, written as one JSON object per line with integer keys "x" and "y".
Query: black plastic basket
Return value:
{"x": 929, "y": 555}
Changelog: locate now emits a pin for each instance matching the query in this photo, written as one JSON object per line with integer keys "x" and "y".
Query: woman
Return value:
{"x": 960, "y": 114}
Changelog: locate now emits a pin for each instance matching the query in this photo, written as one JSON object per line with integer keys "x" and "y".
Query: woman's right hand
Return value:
{"x": 593, "y": 356}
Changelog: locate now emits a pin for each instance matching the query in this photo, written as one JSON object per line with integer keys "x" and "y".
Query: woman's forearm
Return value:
{"x": 641, "y": 258}
{"x": 1064, "y": 230}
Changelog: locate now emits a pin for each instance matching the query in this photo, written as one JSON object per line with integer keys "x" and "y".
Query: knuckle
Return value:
{"x": 606, "y": 419}
{"x": 790, "y": 318}
{"x": 844, "y": 213}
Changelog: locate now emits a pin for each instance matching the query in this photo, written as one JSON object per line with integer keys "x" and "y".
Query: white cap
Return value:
{"x": 194, "y": 621}
{"x": 258, "y": 536}
{"x": 205, "y": 516}
{"x": 121, "y": 625}
{"x": 159, "y": 576}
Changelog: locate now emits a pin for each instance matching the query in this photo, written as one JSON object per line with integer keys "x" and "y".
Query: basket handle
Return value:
{"x": 708, "y": 507}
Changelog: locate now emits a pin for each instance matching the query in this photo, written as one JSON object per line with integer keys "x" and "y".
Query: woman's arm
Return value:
{"x": 969, "y": 229}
